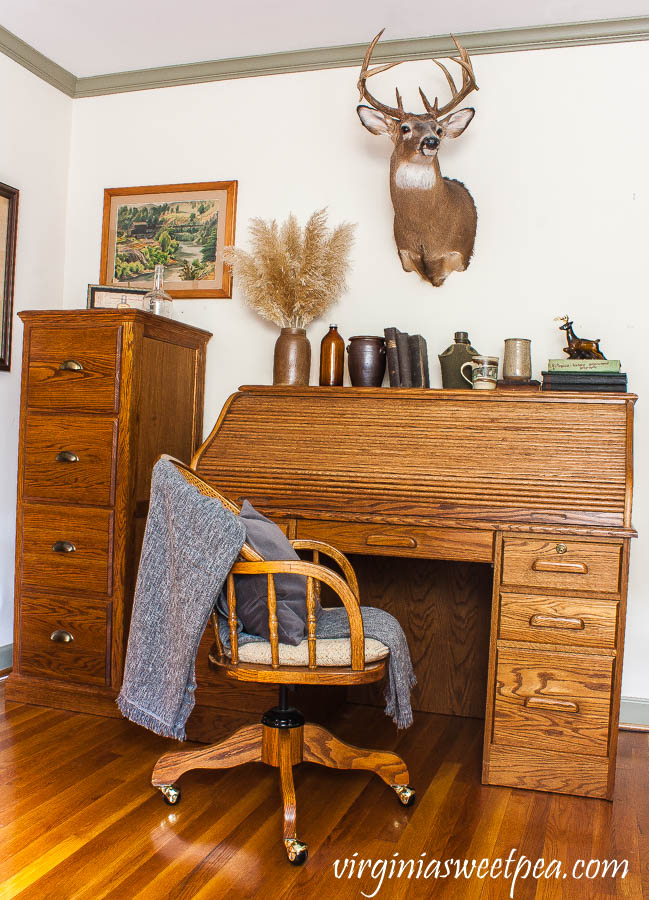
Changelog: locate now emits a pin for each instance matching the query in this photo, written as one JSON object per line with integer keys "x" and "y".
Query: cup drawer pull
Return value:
{"x": 390, "y": 540}
{"x": 541, "y": 621}
{"x": 558, "y": 566}
{"x": 63, "y": 547}
{"x": 71, "y": 365}
{"x": 551, "y": 703}
{"x": 61, "y": 637}
{"x": 66, "y": 456}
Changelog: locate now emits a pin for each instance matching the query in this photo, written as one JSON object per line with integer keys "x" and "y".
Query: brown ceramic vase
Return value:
{"x": 366, "y": 360}
{"x": 292, "y": 361}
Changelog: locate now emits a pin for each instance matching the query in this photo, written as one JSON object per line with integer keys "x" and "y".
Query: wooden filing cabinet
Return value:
{"x": 555, "y": 663}
{"x": 104, "y": 392}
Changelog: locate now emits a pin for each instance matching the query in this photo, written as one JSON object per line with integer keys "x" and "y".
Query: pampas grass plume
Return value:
{"x": 292, "y": 275}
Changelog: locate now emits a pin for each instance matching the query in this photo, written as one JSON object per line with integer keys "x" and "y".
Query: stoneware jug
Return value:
{"x": 366, "y": 360}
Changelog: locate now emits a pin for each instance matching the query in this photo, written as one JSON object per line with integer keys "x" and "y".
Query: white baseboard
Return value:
{"x": 6, "y": 656}
{"x": 634, "y": 711}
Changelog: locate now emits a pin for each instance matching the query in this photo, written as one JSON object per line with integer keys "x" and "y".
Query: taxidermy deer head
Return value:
{"x": 434, "y": 217}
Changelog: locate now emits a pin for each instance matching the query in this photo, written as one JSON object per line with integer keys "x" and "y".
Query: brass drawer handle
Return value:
{"x": 541, "y": 621}
{"x": 71, "y": 365}
{"x": 61, "y": 637}
{"x": 390, "y": 540}
{"x": 66, "y": 456}
{"x": 549, "y": 565}
{"x": 561, "y": 548}
{"x": 63, "y": 547}
{"x": 551, "y": 703}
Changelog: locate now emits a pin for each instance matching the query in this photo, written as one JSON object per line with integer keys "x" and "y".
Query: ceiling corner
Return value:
{"x": 37, "y": 63}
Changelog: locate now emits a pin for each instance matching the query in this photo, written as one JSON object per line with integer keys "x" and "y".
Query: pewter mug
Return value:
{"x": 517, "y": 362}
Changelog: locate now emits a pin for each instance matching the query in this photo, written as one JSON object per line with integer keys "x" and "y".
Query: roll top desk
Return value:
{"x": 494, "y": 525}
{"x": 538, "y": 485}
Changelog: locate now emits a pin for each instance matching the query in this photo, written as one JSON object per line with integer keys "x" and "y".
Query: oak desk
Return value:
{"x": 527, "y": 494}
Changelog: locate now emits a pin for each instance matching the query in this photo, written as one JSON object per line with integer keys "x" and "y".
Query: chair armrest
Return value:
{"x": 335, "y": 554}
{"x": 326, "y": 576}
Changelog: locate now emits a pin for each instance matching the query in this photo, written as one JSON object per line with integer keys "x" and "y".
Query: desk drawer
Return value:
{"x": 64, "y": 639}
{"x": 82, "y": 537}
{"x": 74, "y": 368}
{"x": 69, "y": 458}
{"x": 561, "y": 563}
{"x": 401, "y": 540}
{"x": 558, "y": 620}
{"x": 553, "y": 701}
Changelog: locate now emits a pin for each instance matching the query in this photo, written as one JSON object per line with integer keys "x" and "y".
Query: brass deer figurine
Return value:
{"x": 434, "y": 217}
{"x": 578, "y": 348}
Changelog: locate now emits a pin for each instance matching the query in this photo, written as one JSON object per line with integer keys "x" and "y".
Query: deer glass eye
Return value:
{"x": 405, "y": 129}
{"x": 439, "y": 130}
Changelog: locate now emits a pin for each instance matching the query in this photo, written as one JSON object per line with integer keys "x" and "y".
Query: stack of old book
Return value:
{"x": 584, "y": 375}
{"x": 407, "y": 359}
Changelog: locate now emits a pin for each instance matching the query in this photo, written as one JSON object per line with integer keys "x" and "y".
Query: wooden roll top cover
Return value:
{"x": 487, "y": 459}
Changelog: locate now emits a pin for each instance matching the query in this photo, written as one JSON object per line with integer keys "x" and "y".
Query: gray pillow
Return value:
{"x": 252, "y": 590}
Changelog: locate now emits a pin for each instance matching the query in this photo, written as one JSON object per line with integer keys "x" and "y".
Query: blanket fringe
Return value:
{"x": 148, "y": 720}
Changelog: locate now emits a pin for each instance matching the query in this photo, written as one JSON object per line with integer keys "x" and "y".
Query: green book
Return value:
{"x": 584, "y": 365}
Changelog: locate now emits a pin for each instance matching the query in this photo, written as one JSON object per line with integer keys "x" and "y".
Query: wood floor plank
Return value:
{"x": 205, "y": 821}
{"x": 79, "y": 819}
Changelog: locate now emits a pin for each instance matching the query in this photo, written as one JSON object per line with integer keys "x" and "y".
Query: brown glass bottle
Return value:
{"x": 332, "y": 358}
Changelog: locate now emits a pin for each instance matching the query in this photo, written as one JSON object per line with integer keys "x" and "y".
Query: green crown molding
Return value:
{"x": 542, "y": 37}
{"x": 40, "y": 65}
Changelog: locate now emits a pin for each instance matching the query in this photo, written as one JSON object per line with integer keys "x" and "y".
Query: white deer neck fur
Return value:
{"x": 415, "y": 175}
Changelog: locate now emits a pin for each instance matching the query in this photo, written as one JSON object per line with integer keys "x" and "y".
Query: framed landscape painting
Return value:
{"x": 8, "y": 227}
{"x": 184, "y": 227}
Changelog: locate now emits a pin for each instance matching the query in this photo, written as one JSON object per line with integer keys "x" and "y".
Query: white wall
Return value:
{"x": 556, "y": 159}
{"x": 35, "y": 121}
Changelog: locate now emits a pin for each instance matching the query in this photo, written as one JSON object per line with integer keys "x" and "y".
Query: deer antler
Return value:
{"x": 367, "y": 73}
{"x": 468, "y": 78}
{"x": 468, "y": 83}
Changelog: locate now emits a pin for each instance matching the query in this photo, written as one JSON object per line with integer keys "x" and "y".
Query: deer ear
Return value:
{"x": 375, "y": 121}
{"x": 456, "y": 123}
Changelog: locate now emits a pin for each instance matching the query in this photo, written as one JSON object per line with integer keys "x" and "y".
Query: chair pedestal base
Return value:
{"x": 283, "y": 744}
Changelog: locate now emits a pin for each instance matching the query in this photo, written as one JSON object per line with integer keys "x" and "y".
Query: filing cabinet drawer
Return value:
{"x": 69, "y": 458}
{"x": 74, "y": 368}
{"x": 65, "y": 639}
{"x": 67, "y": 547}
{"x": 561, "y": 563}
{"x": 400, "y": 540}
{"x": 553, "y": 701}
{"x": 558, "y": 620}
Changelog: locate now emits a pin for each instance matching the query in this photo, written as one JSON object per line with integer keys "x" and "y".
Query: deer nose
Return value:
{"x": 430, "y": 142}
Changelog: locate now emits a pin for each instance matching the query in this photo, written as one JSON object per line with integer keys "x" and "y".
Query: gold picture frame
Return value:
{"x": 8, "y": 229}
{"x": 185, "y": 227}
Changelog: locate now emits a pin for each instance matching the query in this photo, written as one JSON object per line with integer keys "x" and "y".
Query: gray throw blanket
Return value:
{"x": 378, "y": 624}
{"x": 190, "y": 544}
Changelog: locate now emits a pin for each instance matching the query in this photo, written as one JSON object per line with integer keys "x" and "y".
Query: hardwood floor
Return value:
{"x": 79, "y": 819}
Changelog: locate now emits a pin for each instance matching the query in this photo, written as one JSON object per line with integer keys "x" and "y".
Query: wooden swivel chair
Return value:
{"x": 283, "y": 739}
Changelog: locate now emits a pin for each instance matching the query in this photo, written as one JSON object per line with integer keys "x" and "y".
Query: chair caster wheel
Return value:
{"x": 296, "y": 851}
{"x": 405, "y": 793}
{"x": 170, "y": 794}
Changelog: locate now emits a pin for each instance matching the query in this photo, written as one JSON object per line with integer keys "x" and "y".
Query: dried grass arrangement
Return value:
{"x": 293, "y": 274}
